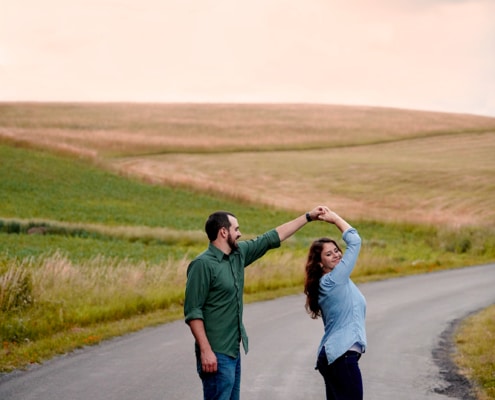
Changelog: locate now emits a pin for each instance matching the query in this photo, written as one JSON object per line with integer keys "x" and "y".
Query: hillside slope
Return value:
{"x": 373, "y": 163}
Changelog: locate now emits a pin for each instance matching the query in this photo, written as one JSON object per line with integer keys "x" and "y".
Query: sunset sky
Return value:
{"x": 436, "y": 55}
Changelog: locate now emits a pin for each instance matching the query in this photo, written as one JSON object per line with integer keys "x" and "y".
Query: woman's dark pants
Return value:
{"x": 343, "y": 379}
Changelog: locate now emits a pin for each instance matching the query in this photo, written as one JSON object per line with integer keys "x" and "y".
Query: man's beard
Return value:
{"x": 232, "y": 243}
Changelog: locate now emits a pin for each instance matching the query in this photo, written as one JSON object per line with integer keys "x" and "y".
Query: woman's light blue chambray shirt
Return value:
{"x": 342, "y": 304}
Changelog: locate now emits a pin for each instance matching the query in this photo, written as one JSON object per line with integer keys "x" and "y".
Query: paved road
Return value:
{"x": 406, "y": 317}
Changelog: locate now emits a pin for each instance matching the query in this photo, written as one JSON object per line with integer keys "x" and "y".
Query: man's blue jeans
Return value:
{"x": 343, "y": 379}
{"x": 225, "y": 384}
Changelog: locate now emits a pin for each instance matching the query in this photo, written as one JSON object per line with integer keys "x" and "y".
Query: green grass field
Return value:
{"x": 119, "y": 195}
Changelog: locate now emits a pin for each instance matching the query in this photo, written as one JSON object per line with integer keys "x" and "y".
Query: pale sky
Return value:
{"x": 436, "y": 55}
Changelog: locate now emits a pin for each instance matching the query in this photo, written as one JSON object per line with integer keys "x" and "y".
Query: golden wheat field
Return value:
{"x": 372, "y": 163}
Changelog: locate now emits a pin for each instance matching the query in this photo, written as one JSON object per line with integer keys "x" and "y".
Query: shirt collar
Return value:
{"x": 219, "y": 254}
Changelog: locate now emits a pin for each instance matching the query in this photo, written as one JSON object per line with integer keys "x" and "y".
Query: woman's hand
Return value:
{"x": 327, "y": 215}
{"x": 333, "y": 218}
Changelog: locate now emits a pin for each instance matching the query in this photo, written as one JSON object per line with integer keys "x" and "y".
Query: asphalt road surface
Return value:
{"x": 405, "y": 321}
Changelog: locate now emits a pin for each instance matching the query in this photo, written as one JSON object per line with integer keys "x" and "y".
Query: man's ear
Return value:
{"x": 224, "y": 232}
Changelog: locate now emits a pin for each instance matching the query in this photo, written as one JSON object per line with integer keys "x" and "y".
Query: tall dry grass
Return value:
{"x": 57, "y": 295}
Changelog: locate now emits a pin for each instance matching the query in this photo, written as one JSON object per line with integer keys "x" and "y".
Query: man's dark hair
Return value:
{"x": 217, "y": 221}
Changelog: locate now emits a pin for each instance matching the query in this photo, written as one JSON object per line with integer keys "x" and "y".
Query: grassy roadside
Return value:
{"x": 475, "y": 341}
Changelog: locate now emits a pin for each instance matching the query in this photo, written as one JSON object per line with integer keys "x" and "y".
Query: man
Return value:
{"x": 213, "y": 300}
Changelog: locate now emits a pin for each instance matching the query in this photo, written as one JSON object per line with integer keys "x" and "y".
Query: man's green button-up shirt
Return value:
{"x": 214, "y": 290}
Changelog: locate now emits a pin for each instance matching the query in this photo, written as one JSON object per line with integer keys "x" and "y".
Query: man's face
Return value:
{"x": 234, "y": 233}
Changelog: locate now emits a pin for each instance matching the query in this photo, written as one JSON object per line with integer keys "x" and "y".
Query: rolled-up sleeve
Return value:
{"x": 255, "y": 248}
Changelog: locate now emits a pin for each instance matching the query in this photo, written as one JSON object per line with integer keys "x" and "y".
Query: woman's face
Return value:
{"x": 330, "y": 257}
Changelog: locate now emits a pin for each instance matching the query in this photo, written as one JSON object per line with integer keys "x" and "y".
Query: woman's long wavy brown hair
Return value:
{"x": 313, "y": 275}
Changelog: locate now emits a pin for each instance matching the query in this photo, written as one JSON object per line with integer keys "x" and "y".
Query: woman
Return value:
{"x": 331, "y": 294}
